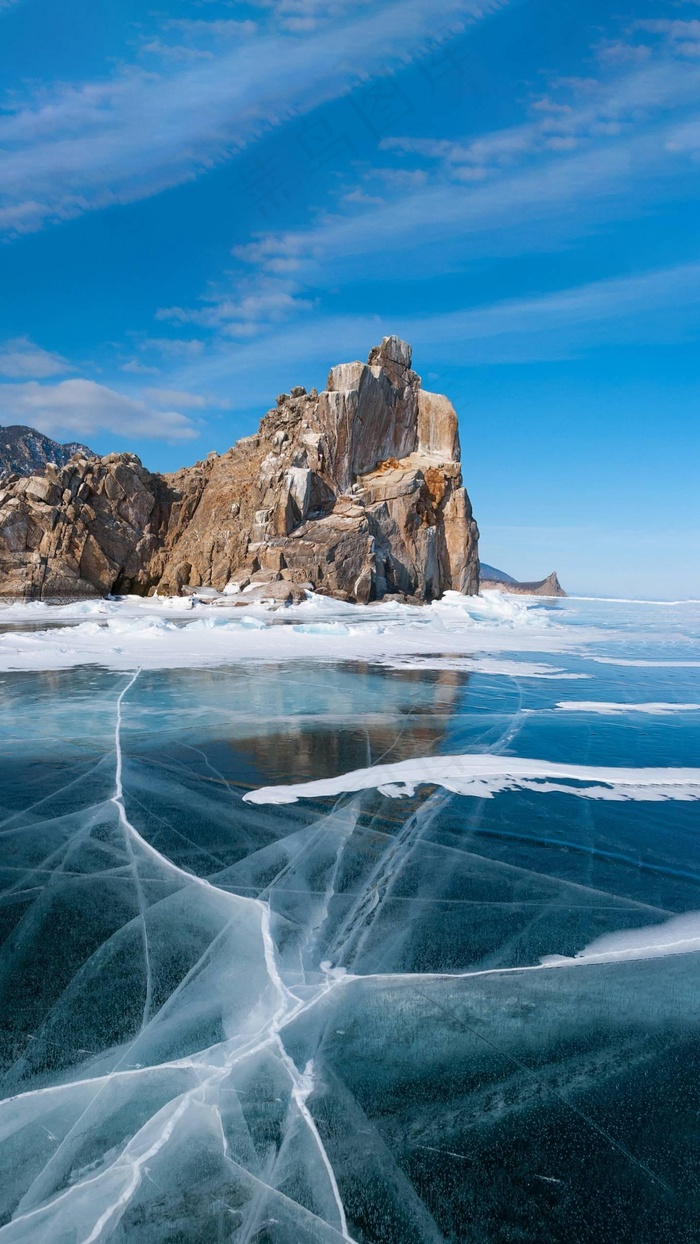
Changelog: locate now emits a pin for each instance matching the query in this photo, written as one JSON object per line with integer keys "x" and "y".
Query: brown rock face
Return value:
{"x": 356, "y": 491}
{"x": 85, "y": 529}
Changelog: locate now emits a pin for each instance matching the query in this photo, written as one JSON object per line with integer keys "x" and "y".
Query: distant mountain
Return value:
{"x": 489, "y": 577}
{"x": 24, "y": 451}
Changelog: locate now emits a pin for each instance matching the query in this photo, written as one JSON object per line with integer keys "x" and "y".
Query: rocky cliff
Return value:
{"x": 356, "y": 491}
{"x": 24, "y": 451}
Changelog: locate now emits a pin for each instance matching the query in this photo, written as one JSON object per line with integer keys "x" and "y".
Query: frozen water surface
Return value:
{"x": 450, "y": 993}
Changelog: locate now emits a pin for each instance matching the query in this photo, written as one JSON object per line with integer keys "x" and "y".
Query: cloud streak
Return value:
{"x": 534, "y": 196}
{"x": 587, "y": 151}
{"x": 651, "y": 307}
{"x": 78, "y": 148}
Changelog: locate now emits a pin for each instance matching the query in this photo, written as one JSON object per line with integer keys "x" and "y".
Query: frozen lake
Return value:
{"x": 339, "y": 923}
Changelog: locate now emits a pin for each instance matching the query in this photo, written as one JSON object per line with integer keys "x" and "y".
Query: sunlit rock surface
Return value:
{"x": 356, "y": 491}
{"x": 380, "y": 1015}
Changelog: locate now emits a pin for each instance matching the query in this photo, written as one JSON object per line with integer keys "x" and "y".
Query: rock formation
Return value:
{"x": 491, "y": 578}
{"x": 356, "y": 491}
{"x": 24, "y": 451}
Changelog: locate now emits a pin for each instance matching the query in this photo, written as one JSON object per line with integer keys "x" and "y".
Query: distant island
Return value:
{"x": 355, "y": 492}
{"x": 490, "y": 578}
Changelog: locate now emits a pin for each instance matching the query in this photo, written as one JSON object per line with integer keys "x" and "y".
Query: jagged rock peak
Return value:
{"x": 355, "y": 491}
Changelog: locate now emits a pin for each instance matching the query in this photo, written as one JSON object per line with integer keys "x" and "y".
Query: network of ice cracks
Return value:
{"x": 161, "y": 1102}
{"x": 211, "y": 1083}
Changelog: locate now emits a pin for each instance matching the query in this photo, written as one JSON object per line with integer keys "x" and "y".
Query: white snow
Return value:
{"x": 613, "y": 709}
{"x": 642, "y": 663}
{"x": 483, "y": 665}
{"x": 483, "y": 775}
{"x": 678, "y": 936}
{"x": 155, "y": 633}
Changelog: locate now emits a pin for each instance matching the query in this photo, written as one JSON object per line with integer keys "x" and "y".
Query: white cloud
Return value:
{"x": 176, "y": 397}
{"x": 360, "y": 196}
{"x": 683, "y": 36}
{"x": 592, "y": 111}
{"x": 302, "y": 15}
{"x": 618, "y": 52}
{"x": 648, "y": 307}
{"x": 20, "y": 358}
{"x": 685, "y": 139}
{"x": 75, "y": 148}
{"x": 589, "y": 148}
{"x": 172, "y": 347}
{"x": 257, "y": 302}
{"x": 510, "y": 192}
{"x": 139, "y": 369}
{"x": 175, "y": 51}
{"x": 214, "y": 29}
{"x": 82, "y": 408}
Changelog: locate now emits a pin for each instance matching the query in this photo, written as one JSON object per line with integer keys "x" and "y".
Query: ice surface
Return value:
{"x": 351, "y": 1017}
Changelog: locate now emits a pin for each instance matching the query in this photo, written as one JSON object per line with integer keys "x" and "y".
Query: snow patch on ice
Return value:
{"x": 483, "y": 665}
{"x": 610, "y": 709}
{"x": 483, "y": 775}
{"x": 647, "y": 664}
{"x": 678, "y": 936}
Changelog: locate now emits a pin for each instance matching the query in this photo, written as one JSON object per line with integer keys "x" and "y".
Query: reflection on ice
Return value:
{"x": 351, "y": 1017}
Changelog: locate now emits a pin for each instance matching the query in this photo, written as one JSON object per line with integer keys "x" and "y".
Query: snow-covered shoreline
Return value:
{"x": 172, "y": 632}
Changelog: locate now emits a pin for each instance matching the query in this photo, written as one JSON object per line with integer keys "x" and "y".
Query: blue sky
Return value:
{"x": 206, "y": 202}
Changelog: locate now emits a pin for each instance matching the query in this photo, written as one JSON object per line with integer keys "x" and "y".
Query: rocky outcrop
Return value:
{"x": 491, "y": 578}
{"x": 86, "y": 529}
{"x": 356, "y": 491}
{"x": 24, "y": 451}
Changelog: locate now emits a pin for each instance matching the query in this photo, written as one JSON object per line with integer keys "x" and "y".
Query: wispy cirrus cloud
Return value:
{"x": 575, "y": 164}
{"x": 683, "y": 36}
{"x": 651, "y": 307}
{"x": 70, "y": 149}
{"x": 302, "y": 15}
{"x": 655, "y": 306}
{"x": 260, "y": 301}
{"x": 573, "y": 116}
{"x": 172, "y": 347}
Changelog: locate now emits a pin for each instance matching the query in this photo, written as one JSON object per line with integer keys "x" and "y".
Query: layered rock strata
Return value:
{"x": 356, "y": 491}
